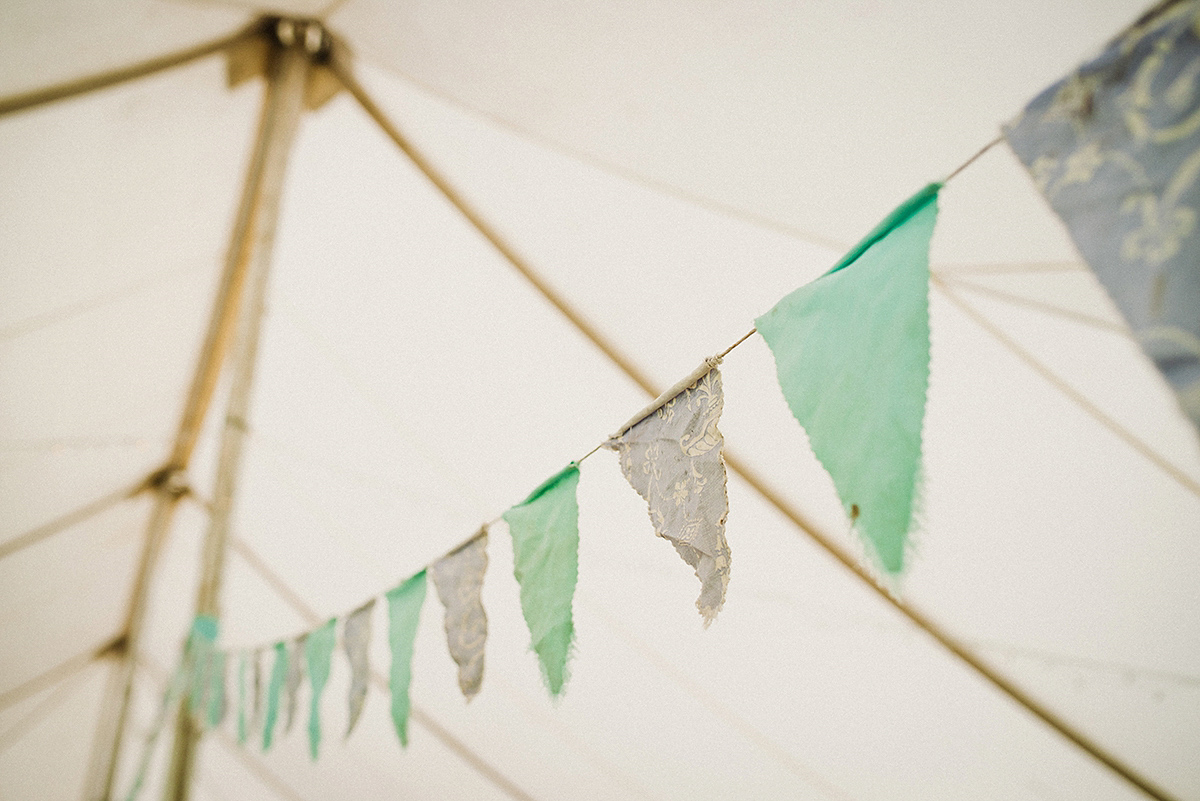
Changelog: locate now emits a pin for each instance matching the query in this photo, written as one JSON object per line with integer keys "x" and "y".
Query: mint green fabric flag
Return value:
{"x": 404, "y": 612}
{"x": 852, "y": 354}
{"x": 279, "y": 673}
{"x": 318, "y": 650}
{"x": 217, "y": 665}
{"x": 545, "y": 533}
{"x": 201, "y": 646}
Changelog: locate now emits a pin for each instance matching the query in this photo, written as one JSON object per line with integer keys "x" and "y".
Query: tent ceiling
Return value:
{"x": 672, "y": 173}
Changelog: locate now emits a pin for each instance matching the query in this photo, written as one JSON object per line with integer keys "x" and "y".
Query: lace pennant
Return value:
{"x": 673, "y": 459}
{"x": 295, "y": 677}
{"x": 458, "y": 577}
{"x": 356, "y": 638}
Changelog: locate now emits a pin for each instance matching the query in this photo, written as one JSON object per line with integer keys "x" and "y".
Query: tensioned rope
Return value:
{"x": 70, "y": 311}
{"x": 830, "y": 546}
{"x": 953, "y": 269}
{"x": 103, "y": 80}
{"x": 60, "y": 672}
{"x": 1075, "y": 395}
{"x": 1013, "y": 299}
{"x": 719, "y": 709}
{"x": 55, "y": 699}
{"x": 72, "y": 518}
{"x": 632, "y": 176}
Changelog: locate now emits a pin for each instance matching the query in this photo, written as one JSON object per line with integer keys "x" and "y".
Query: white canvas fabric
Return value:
{"x": 672, "y": 172}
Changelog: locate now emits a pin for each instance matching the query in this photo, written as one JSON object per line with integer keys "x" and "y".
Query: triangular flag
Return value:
{"x": 852, "y": 355}
{"x": 279, "y": 674}
{"x": 258, "y": 691}
{"x": 243, "y": 669}
{"x": 295, "y": 678}
{"x": 545, "y": 533}
{"x": 1115, "y": 149}
{"x": 404, "y": 612}
{"x": 217, "y": 665}
{"x": 458, "y": 577}
{"x": 318, "y": 651}
{"x": 673, "y": 459}
{"x": 356, "y": 639}
{"x": 199, "y": 651}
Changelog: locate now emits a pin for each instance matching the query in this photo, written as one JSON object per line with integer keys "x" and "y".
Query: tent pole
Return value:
{"x": 287, "y": 76}
{"x": 169, "y": 484}
{"x": 944, "y": 638}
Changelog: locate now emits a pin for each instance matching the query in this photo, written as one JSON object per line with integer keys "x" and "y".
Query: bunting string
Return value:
{"x": 687, "y": 503}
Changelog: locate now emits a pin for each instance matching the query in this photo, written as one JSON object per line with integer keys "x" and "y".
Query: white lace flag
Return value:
{"x": 356, "y": 638}
{"x": 258, "y": 692}
{"x": 672, "y": 457}
{"x": 295, "y": 677}
{"x": 458, "y": 577}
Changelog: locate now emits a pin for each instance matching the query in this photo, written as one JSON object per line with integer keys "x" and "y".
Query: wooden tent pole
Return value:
{"x": 169, "y": 484}
{"x": 827, "y": 543}
{"x": 287, "y": 76}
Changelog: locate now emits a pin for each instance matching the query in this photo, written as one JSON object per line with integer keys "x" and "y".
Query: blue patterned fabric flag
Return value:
{"x": 1115, "y": 150}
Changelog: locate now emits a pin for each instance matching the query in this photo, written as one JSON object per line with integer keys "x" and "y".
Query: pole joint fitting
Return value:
{"x": 170, "y": 481}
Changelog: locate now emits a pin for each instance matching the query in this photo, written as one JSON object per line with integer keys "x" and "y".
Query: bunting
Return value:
{"x": 1115, "y": 150}
{"x": 404, "y": 612}
{"x": 545, "y": 534}
{"x": 356, "y": 639}
{"x": 852, "y": 355}
{"x": 458, "y": 578}
{"x": 673, "y": 459}
{"x": 671, "y": 453}
{"x": 318, "y": 652}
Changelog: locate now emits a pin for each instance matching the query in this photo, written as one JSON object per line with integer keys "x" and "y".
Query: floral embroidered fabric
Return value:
{"x": 1115, "y": 149}
{"x": 458, "y": 577}
{"x": 673, "y": 459}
